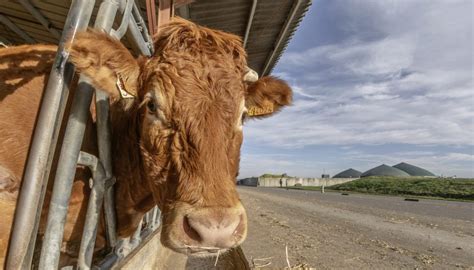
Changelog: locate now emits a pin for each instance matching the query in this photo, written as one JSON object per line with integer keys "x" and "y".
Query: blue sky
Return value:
{"x": 374, "y": 82}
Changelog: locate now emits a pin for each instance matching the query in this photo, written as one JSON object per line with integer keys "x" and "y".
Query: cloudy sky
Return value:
{"x": 374, "y": 82}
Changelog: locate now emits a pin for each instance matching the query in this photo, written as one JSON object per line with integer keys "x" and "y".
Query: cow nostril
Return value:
{"x": 208, "y": 231}
{"x": 190, "y": 232}
{"x": 240, "y": 229}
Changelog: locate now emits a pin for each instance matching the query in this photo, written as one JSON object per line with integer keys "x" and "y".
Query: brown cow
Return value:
{"x": 176, "y": 144}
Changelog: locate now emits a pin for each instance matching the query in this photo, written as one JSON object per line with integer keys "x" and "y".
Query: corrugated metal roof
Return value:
{"x": 230, "y": 15}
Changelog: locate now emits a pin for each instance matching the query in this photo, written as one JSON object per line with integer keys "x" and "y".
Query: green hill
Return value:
{"x": 415, "y": 186}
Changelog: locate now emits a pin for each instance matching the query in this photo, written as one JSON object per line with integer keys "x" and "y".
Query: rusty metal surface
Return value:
{"x": 227, "y": 15}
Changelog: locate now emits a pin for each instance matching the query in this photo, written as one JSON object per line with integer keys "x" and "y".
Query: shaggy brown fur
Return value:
{"x": 177, "y": 144}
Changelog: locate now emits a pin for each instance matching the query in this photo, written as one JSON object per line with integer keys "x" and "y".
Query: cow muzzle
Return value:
{"x": 205, "y": 231}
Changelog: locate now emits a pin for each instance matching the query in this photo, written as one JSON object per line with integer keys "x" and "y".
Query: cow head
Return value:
{"x": 187, "y": 104}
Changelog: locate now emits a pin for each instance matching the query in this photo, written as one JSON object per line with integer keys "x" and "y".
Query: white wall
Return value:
{"x": 316, "y": 182}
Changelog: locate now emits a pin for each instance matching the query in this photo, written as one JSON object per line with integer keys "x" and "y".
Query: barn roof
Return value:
{"x": 269, "y": 30}
{"x": 413, "y": 170}
{"x": 349, "y": 173}
{"x": 384, "y": 170}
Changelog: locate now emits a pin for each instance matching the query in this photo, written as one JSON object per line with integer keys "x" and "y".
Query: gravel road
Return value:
{"x": 331, "y": 231}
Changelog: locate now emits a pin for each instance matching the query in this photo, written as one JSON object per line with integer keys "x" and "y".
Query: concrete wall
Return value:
{"x": 316, "y": 182}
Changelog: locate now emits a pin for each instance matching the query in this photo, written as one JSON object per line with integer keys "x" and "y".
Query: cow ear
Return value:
{"x": 106, "y": 62}
{"x": 267, "y": 96}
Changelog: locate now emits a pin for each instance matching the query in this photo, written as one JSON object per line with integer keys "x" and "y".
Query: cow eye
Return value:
{"x": 151, "y": 105}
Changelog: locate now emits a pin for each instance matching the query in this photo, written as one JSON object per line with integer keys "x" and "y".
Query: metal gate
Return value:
{"x": 30, "y": 201}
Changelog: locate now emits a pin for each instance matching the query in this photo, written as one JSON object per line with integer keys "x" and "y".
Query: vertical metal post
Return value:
{"x": 63, "y": 182}
{"x": 30, "y": 200}
{"x": 105, "y": 18}
{"x": 69, "y": 154}
{"x": 96, "y": 199}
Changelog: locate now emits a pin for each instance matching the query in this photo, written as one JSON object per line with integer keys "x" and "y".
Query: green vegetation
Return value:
{"x": 462, "y": 189}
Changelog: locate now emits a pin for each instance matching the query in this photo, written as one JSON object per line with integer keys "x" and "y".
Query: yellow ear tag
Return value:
{"x": 267, "y": 108}
{"x": 121, "y": 88}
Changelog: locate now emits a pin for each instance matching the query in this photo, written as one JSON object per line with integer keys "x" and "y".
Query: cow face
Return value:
{"x": 188, "y": 107}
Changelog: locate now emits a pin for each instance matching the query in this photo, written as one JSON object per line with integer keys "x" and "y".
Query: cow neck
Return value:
{"x": 132, "y": 189}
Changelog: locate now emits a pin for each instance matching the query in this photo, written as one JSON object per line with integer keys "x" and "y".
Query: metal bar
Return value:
{"x": 140, "y": 23}
{"x": 136, "y": 237}
{"x": 156, "y": 217}
{"x": 106, "y": 15}
{"x": 69, "y": 154}
{"x": 249, "y": 22}
{"x": 105, "y": 154}
{"x": 127, "y": 13}
{"x": 108, "y": 9}
{"x": 138, "y": 37}
{"x": 4, "y": 19}
{"x": 30, "y": 199}
{"x": 40, "y": 17}
{"x": 96, "y": 198}
{"x": 282, "y": 34}
{"x": 64, "y": 179}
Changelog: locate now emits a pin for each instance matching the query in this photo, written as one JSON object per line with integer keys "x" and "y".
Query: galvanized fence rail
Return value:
{"x": 30, "y": 202}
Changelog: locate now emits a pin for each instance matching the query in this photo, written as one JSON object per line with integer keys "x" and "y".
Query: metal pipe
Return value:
{"x": 40, "y": 17}
{"x": 105, "y": 154}
{"x": 138, "y": 34}
{"x": 96, "y": 198}
{"x": 106, "y": 15}
{"x": 108, "y": 9}
{"x": 282, "y": 34}
{"x": 69, "y": 154}
{"x": 64, "y": 179}
{"x": 249, "y": 22}
{"x": 30, "y": 199}
{"x": 127, "y": 14}
{"x": 4, "y": 19}
{"x": 142, "y": 26}
{"x": 156, "y": 217}
{"x": 136, "y": 237}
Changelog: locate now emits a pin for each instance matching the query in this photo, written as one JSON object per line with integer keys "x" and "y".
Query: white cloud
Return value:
{"x": 412, "y": 85}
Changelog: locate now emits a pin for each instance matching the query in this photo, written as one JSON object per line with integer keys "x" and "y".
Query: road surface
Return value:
{"x": 332, "y": 231}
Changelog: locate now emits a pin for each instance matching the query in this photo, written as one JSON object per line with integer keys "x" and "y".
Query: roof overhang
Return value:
{"x": 265, "y": 26}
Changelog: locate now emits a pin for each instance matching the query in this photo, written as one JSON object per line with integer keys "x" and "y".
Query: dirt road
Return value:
{"x": 331, "y": 231}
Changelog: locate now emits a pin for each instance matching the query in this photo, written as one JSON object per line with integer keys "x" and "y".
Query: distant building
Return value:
{"x": 413, "y": 170}
{"x": 384, "y": 170}
{"x": 349, "y": 173}
{"x": 251, "y": 181}
{"x": 325, "y": 176}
